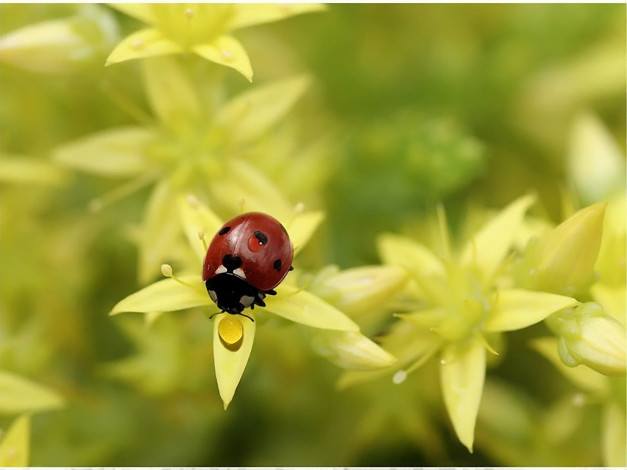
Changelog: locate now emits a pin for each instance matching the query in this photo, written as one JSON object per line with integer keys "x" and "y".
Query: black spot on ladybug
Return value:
{"x": 224, "y": 230}
{"x": 261, "y": 237}
{"x": 277, "y": 264}
{"x": 231, "y": 263}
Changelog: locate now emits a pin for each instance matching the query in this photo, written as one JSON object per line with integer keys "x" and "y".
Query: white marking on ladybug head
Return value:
{"x": 239, "y": 272}
{"x": 213, "y": 295}
{"x": 221, "y": 269}
{"x": 246, "y": 300}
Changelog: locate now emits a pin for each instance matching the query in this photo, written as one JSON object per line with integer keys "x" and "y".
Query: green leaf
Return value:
{"x": 226, "y": 50}
{"x": 15, "y": 446}
{"x": 115, "y": 152}
{"x": 462, "y": 375}
{"x": 20, "y": 395}
{"x": 488, "y": 247}
{"x": 27, "y": 170}
{"x": 167, "y": 295}
{"x": 254, "y": 113}
{"x": 513, "y": 309}
{"x": 230, "y": 360}
{"x": 147, "y": 42}
{"x": 351, "y": 350}
{"x": 252, "y": 14}
{"x": 170, "y": 92}
{"x": 304, "y": 307}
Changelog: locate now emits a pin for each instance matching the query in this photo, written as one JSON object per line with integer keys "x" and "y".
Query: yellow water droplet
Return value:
{"x": 137, "y": 44}
{"x": 189, "y": 13}
{"x": 230, "y": 329}
{"x": 226, "y": 55}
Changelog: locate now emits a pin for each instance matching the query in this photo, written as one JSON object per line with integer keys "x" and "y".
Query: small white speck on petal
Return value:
{"x": 226, "y": 55}
{"x": 189, "y": 13}
{"x": 137, "y": 44}
{"x": 399, "y": 377}
{"x": 192, "y": 201}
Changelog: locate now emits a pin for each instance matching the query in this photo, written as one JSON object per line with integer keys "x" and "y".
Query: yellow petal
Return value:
{"x": 157, "y": 235}
{"x": 15, "y": 446}
{"x": 244, "y": 187}
{"x": 170, "y": 92}
{"x": 303, "y": 307}
{"x": 114, "y": 152}
{"x": 351, "y": 350}
{"x": 596, "y": 163}
{"x": 167, "y": 295}
{"x": 141, "y": 11}
{"x": 196, "y": 217}
{"x": 144, "y": 43}
{"x": 228, "y": 51}
{"x": 567, "y": 254}
{"x": 230, "y": 359}
{"x": 462, "y": 375}
{"x": 20, "y": 395}
{"x": 614, "y": 435}
{"x": 360, "y": 290}
{"x": 302, "y": 227}
{"x": 252, "y": 14}
{"x": 513, "y": 309}
{"x": 254, "y": 113}
{"x": 399, "y": 250}
{"x": 490, "y": 245}
{"x": 21, "y": 169}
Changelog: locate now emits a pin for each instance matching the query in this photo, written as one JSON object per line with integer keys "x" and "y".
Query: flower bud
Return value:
{"x": 591, "y": 337}
{"x": 61, "y": 46}
{"x": 562, "y": 262}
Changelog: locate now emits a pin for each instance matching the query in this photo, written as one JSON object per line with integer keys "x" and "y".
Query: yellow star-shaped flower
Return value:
{"x": 199, "y": 28}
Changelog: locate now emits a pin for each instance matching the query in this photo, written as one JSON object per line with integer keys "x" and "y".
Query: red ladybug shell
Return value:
{"x": 253, "y": 246}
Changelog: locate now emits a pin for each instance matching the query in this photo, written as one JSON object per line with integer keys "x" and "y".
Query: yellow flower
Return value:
{"x": 61, "y": 46}
{"x": 196, "y": 144}
{"x": 200, "y": 28}
{"x": 460, "y": 308}
{"x": 590, "y": 336}
{"x": 234, "y": 336}
{"x": 563, "y": 260}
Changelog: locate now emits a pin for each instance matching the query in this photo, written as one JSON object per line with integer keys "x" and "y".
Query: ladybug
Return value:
{"x": 249, "y": 256}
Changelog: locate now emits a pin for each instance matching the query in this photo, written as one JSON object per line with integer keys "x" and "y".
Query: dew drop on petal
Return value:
{"x": 226, "y": 55}
{"x": 189, "y": 13}
{"x": 399, "y": 377}
{"x": 137, "y": 43}
{"x": 230, "y": 329}
{"x": 443, "y": 362}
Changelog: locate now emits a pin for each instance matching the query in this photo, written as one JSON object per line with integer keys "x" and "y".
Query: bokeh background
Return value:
{"x": 410, "y": 106}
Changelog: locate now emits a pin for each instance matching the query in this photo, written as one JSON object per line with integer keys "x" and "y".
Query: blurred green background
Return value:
{"x": 417, "y": 104}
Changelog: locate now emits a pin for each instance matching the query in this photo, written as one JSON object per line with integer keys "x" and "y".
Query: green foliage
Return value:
{"x": 451, "y": 176}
